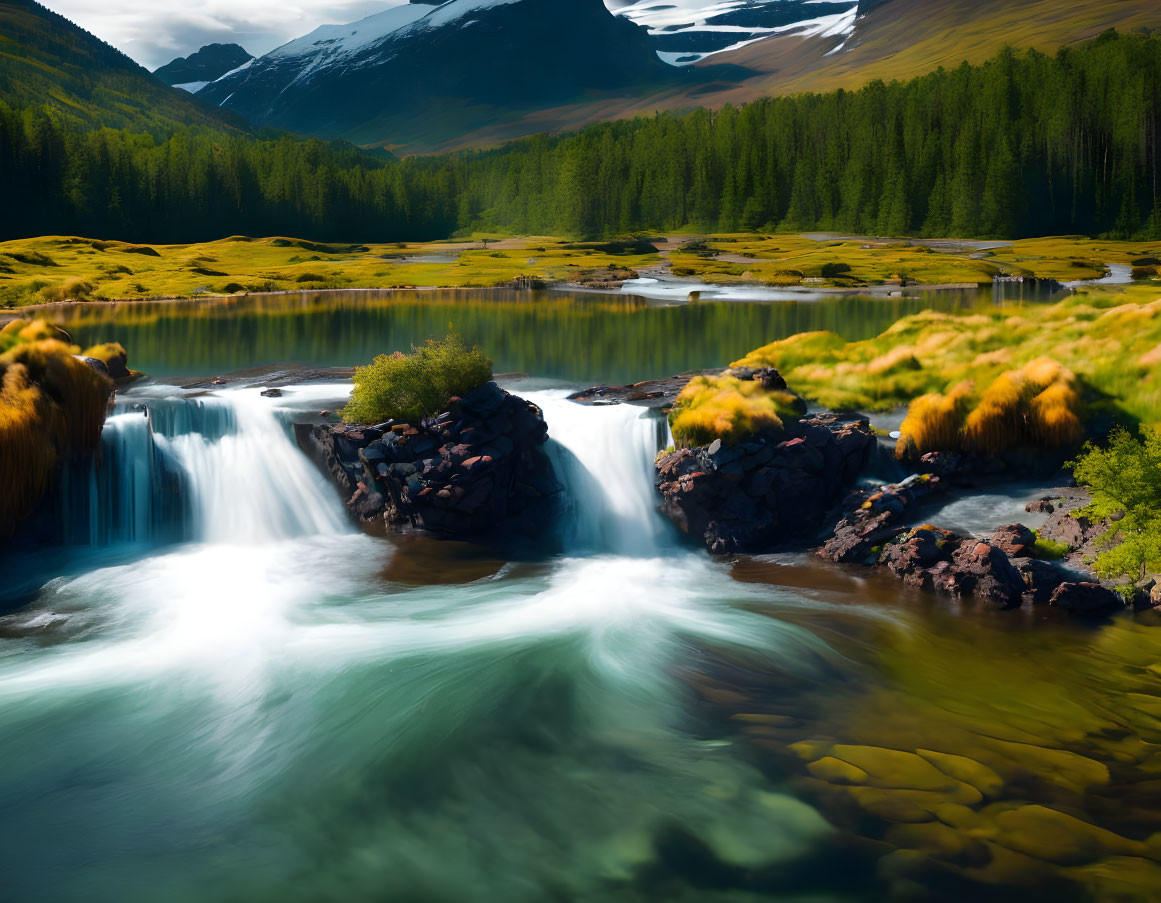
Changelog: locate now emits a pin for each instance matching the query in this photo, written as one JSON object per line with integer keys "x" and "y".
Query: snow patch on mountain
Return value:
{"x": 339, "y": 40}
{"x": 703, "y": 29}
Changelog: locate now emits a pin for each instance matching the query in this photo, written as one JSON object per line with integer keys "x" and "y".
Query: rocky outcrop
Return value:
{"x": 1000, "y": 569}
{"x": 476, "y": 470}
{"x": 763, "y": 491}
{"x": 877, "y": 516}
{"x": 652, "y": 393}
{"x": 933, "y": 558}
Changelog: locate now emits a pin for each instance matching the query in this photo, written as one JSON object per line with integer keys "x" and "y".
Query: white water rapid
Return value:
{"x": 255, "y": 705}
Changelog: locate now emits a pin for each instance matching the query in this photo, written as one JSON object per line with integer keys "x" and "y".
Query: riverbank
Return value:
{"x": 43, "y": 270}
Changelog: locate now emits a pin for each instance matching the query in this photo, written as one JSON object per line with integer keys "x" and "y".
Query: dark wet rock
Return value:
{"x": 1040, "y": 506}
{"x": 1086, "y": 598}
{"x": 1015, "y": 540}
{"x": 770, "y": 378}
{"x": 1041, "y": 578}
{"x": 653, "y": 393}
{"x": 271, "y": 393}
{"x": 933, "y": 558}
{"x": 982, "y": 570}
{"x": 95, "y": 364}
{"x": 476, "y": 470}
{"x": 769, "y": 489}
{"x": 1146, "y": 594}
{"x": 874, "y": 517}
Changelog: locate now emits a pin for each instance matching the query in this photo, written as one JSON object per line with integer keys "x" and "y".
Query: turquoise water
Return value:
{"x": 229, "y": 694}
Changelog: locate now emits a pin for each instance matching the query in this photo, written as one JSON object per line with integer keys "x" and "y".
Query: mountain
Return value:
{"x": 194, "y": 72}
{"x": 47, "y": 61}
{"x": 420, "y": 75}
{"x": 898, "y": 39}
{"x": 885, "y": 39}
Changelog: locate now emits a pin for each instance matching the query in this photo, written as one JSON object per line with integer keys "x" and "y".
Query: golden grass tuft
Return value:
{"x": 1038, "y": 406}
{"x": 51, "y": 405}
{"x": 726, "y": 408}
{"x": 933, "y": 422}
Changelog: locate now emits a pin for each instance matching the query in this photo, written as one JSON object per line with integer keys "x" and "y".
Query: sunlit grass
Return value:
{"x": 51, "y": 404}
{"x": 787, "y": 259}
{"x": 712, "y": 407}
{"x": 58, "y": 268}
{"x": 1108, "y": 337}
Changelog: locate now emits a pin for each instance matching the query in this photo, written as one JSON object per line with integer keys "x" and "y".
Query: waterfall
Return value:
{"x": 604, "y": 455}
{"x": 218, "y": 468}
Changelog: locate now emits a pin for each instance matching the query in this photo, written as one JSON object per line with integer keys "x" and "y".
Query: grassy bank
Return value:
{"x": 57, "y": 268}
{"x": 797, "y": 260}
{"x": 1110, "y": 338}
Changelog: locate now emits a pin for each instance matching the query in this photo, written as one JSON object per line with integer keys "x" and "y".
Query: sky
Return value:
{"x": 153, "y": 32}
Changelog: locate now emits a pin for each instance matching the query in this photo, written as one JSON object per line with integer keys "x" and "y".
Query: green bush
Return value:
{"x": 412, "y": 386}
{"x": 1125, "y": 481}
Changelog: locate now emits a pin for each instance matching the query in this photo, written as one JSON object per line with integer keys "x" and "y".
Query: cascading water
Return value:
{"x": 213, "y": 468}
{"x": 604, "y": 454}
{"x": 261, "y": 711}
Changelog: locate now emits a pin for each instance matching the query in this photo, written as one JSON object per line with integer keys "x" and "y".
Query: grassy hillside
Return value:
{"x": 47, "y": 61}
{"x": 901, "y": 39}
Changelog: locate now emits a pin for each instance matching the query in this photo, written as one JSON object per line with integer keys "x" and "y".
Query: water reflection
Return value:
{"x": 583, "y": 336}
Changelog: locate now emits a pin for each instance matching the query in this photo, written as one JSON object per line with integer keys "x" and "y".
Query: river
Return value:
{"x": 222, "y": 691}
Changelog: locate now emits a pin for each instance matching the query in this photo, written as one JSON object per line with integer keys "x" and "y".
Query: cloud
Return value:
{"x": 153, "y": 32}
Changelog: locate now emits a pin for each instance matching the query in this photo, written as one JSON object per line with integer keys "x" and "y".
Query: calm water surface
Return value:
{"x": 586, "y": 337}
{"x": 231, "y": 695}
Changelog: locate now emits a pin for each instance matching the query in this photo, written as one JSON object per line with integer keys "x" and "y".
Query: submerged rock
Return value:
{"x": 774, "y": 487}
{"x": 1085, "y": 598}
{"x": 476, "y": 470}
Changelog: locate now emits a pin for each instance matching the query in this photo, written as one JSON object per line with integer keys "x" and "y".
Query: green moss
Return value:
{"x": 1048, "y": 549}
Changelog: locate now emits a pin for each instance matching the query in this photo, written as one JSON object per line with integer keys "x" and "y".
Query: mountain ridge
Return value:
{"x": 205, "y": 65}
{"x": 48, "y": 61}
{"x": 396, "y": 86}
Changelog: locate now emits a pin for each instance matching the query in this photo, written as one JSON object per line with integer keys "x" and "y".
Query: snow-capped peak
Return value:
{"x": 336, "y": 40}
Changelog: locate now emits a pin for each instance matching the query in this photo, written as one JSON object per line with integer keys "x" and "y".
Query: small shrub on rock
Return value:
{"x": 420, "y": 384}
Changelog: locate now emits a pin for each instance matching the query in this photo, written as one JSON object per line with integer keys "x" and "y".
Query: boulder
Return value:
{"x": 1041, "y": 578}
{"x": 983, "y": 570}
{"x": 1085, "y": 598}
{"x": 1016, "y": 541}
{"x": 476, "y": 470}
{"x": 933, "y": 558}
{"x": 773, "y": 487}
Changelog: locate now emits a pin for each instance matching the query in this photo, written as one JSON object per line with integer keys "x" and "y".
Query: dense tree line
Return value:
{"x": 1024, "y": 144}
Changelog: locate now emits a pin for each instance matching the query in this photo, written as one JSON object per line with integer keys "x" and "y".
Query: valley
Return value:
{"x": 641, "y": 451}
